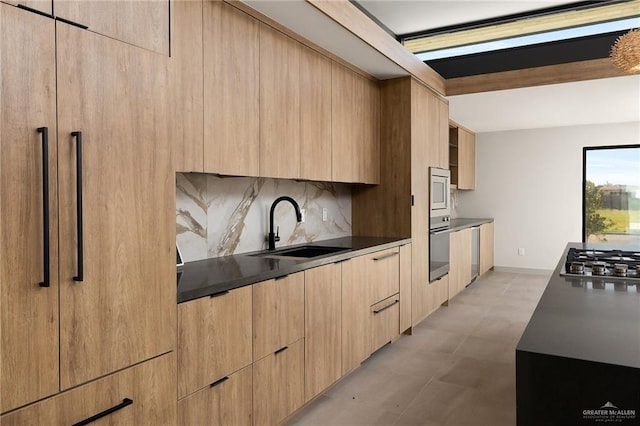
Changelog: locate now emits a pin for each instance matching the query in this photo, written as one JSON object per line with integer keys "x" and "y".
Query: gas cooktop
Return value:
{"x": 601, "y": 263}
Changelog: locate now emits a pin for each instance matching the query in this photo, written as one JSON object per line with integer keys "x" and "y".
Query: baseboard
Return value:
{"x": 531, "y": 271}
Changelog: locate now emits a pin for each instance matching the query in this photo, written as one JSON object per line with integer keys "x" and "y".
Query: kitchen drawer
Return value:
{"x": 383, "y": 274}
{"x": 278, "y": 384}
{"x": 143, "y": 395}
{"x": 278, "y": 313}
{"x": 385, "y": 322}
{"x": 227, "y": 401}
{"x": 214, "y": 338}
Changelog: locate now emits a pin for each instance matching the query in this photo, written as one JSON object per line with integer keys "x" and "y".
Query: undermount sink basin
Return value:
{"x": 303, "y": 252}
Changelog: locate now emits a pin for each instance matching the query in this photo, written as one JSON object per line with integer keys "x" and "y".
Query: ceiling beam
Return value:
{"x": 552, "y": 74}
{"x": 525, "y": 26}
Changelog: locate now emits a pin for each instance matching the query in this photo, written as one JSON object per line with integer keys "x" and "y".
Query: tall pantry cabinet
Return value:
{"x": 86, "y": 205}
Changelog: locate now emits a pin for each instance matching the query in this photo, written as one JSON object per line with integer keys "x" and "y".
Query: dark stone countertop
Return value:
{"x": 210, "y": 276}
{"x": 462, "y": 223}
{"x": 592, "y": 319}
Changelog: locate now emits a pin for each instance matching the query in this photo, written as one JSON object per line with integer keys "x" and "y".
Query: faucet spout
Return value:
{"x": 273, "y": 237}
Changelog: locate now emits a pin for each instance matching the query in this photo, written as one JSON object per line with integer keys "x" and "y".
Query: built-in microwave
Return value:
{"x": 439, "y": 207}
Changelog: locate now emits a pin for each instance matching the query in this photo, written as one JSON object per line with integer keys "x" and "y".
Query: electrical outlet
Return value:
{"x": 303, "y": 215}
{"x": 521, "y": 251}
{"x": 324, "y": 214}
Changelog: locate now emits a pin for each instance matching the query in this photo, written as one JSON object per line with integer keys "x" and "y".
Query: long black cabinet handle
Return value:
{"x": 45, "y": 207}
{"x": 125, "y": 402}
{"x": 386, "y": 256}
{"x": 386, "y": 307}
{"x": 282, "y": 349}
{"x": 80, "y": 232}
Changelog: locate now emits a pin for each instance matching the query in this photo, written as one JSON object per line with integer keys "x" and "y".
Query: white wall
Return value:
{"x": 530, "y": 181}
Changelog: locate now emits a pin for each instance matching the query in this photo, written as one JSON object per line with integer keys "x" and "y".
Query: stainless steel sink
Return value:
{"x": 302, "y": 252}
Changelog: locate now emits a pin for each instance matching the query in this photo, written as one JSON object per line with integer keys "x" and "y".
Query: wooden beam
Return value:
{"x": 551, "y": 74}
{"x": 526, "y": 26}
{"x": 353, "y": 20}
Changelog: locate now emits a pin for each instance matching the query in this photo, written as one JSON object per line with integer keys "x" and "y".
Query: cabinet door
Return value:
{"x": 405, "y": 288}
{"x": 187, "y": 85}
{"x": 123, "y": 311}
{"x": 279, "y": 104}
{"x": 323, "y": 328}
{"x": 459, "y": 261}
{"x": 141, "y": 23}
{"x": 383, "y": 274}
{"x": 214, "y": 338}
{"x": 231, "y": 89}
{"x": 140, "y": 395}
{"x": 29, "y": 312}
{"x": 443, "y": 134}
{"x": 486, "y": 247}
{"x": 385, "y": 321}
{"x": 367, "y": 153}
{"x": 225, "y": 402}
{"x": 278, "y": 384}
{"x": 466, "y": 159}
{"x": 345, "y": 94}
{"x": 356, "y": 323}
{"x": 315, "y": 116}
{"x": 278, "y": 313}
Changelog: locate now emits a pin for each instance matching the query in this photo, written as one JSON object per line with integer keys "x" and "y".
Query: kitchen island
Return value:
{"x": 578, "y": 361}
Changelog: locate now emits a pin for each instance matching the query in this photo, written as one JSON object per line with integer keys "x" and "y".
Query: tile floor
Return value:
{"x": 458, "y": 367}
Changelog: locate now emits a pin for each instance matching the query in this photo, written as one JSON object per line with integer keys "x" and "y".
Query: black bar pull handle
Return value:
{"x": 45, "y": 207}
{"x": 386, "y": 256}
{"x": 219, "y": 382}
{"x": 282, "y": 349}
{"x": 125, "y": 402}
{"x": 80, "y": 232}
{"x": 386, "y": 307}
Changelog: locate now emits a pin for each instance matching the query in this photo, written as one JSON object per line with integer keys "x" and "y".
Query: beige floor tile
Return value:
{"x": 489, "y": 350}
{"x": 433, "y": 404}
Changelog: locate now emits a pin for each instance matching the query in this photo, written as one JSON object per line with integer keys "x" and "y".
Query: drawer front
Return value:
{"x": 384, "y": 274}
{"x": 214, "y": 338}
{"x": 278, "y": 313}
{"x": 385, "y": 322}
{"x": 278, "y": 384}
{"x": 225, "y": 402}
{"x": 139, "y": 395}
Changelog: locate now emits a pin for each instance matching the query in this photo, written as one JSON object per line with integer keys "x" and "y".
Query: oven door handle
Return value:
{"x": 444, "y": 231}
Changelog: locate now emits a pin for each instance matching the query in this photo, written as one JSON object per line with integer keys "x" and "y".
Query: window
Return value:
{"x": 611, "y": 194}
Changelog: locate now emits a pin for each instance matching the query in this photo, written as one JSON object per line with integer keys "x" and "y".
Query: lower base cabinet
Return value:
{"x": 224, "y": 402}
{"x": 278, "y": 384}
{"x": 385, "y": 322}
{"x": 140, "y": 395}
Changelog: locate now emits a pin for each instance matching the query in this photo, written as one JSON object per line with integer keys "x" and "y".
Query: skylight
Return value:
{"x": 530, "y": 39}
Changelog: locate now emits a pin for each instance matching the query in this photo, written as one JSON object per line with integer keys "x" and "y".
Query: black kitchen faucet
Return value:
{"x": 275, "y": 237}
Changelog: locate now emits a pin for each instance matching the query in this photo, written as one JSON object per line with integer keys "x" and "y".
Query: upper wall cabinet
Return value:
{"x": 141, "y": 23}
{"x": 231, "y": 89}
{"x": 279, "y": 104}
{"x": 355, "y": 116}
{"x": 462, "y": 152}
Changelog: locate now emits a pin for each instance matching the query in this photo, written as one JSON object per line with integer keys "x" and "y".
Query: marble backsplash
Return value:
{"x": 220, "y": 216}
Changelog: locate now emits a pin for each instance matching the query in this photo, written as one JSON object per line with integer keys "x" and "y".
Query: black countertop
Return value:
{"x": 590, "y": 319}
{"x": 220, "y": 274}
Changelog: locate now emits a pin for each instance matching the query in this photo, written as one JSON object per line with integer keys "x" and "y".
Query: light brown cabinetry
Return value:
{"x": 462, "y": 146}
{"x": 187, "y": 85}
{"x": 486, "y": 247}
{"x": 383, "y": 274}
{"x": 315, "y": 116}
{"x": 323, "y": 328}
{"x": 278, "y": 384}
{"x": 231, "y": 90}
{"x": 279, "y": 104}
{"x": 29, "y": 313}
{"x": 459, "y": 261}
{"x": 356, "y": 322}
{"x": 227, "y": 401}
{"x": 442, "y": 140}
{"x": 278, "y": 313}
{"x": 214, "y": 338}
{"x": 385, "y": 322}
{"x": 405, "y": 288}
{"x": 355, "y": 140}
{"x": 143, "y": 395}
{"x": 116, "y": 303}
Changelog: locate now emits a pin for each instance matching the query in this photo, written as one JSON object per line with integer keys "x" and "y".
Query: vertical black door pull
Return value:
{"x": 125, "y": 402}
{"x": 45, "y": 207}
{"x": 78, "y": 136}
